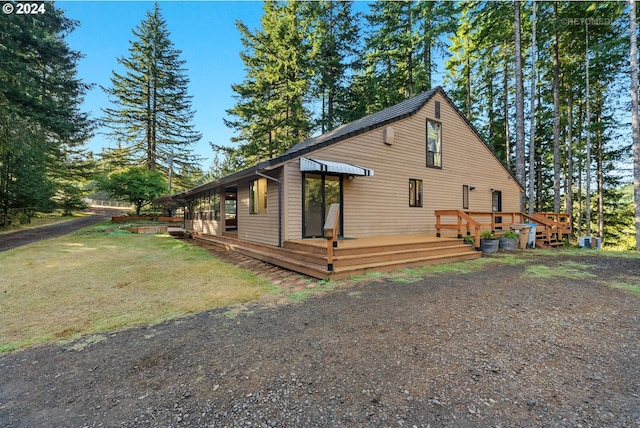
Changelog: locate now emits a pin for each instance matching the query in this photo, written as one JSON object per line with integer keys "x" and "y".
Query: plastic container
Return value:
{"x": 594, "y": 242}
{"x": 523, "y": 234}
{"x": 531, "y": 242}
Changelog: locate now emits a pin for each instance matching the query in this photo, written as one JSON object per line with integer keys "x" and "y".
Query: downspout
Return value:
{"x": 258, "y": 173}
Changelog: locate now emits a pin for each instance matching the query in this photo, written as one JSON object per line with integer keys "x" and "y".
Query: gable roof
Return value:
{"x": 375, "y": 120}
{"x": 382, "y": 118}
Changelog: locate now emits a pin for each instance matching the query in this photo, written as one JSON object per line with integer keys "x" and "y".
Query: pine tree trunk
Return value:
{"x": 532, "y": 129}
{"x": 587, "y": 162}
{"x": 634, "y": 118}
{"x": 427, "y": 63}
{"x": 468, "y": 81}
{"x": 568, "y": 190}
{"x": 330, "y": 109}
{"x": 505, "y": 105}
{"x": 491, "y": 113}
{"x": 323, "y": 120}
{"x": 578, "y": 229}
{"x": 556, "y": 116}
{"x": 599, "y": 166}
{"x": 427, "y": 47}
{"x": 410, "y": 53}
{"x": 520, "y": 166}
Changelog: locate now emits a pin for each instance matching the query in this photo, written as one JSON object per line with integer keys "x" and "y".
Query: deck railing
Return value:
{"x": 495, "y": 221}
{"x": 553, "y": 231}
{"x": 560, "y": 220}
{"x": 331, "y": 233}
{"x": 551, "y": 226}
{"x": 463, "y": 221}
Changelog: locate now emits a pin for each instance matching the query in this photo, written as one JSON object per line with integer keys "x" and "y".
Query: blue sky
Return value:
{"x": 204, "y": 31}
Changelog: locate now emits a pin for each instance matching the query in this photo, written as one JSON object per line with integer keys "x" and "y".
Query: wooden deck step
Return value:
{"x": 175, "y": 231}
{"x": 346, "y": 248}
{"x": 363, "y": 269}
{"x": 385, "y": 255}
{"x": 316, "y": 268}
{"x": 348, "y": 261}
{"x": 542, "y": 243}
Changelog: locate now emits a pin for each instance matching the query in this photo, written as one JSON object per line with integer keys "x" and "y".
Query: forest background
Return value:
{"x": 546, "y": 84}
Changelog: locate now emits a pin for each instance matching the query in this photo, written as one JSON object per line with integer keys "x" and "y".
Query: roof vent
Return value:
{"x": 389, "y": 135}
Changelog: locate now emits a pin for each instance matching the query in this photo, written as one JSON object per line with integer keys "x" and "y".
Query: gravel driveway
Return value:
{"x": 24, "y": 237}
{"x": 506, "y": 346}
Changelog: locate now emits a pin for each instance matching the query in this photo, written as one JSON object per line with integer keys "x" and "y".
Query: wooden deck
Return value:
{"x": 330, "y": 257}
{"x": 352, "y": 256}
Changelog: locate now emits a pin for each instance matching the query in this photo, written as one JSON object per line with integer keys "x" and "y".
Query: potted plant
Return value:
{"x": 489, "y": 242}
{"x": 469, "y": 240}
{"x": 509, "y": 241}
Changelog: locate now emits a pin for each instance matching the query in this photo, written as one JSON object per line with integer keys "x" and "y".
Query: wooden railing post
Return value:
{"x": 331, "y": 233}
{"x": 464, "y": 220}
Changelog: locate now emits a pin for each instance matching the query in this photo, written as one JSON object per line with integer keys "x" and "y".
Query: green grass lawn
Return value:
{"x": 102, "y": 278}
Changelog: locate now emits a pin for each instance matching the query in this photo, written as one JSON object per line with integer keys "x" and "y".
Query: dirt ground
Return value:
{"x": 494, "y": 348}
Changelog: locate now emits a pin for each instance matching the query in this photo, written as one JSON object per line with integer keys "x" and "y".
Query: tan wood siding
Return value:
{"x": 379, "y": 205}
{"x": 293, "y": 201}
{"x": 261, "y": 228}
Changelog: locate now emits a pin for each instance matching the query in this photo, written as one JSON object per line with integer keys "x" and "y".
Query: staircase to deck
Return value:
{"x": 551, "y": 229}
{"x": 354, "y": 256}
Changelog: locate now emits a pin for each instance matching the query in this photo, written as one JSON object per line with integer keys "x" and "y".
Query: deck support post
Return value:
{"x": 331, "y": 233}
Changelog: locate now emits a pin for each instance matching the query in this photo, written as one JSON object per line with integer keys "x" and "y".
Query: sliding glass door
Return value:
{"x": 320, "y": 191}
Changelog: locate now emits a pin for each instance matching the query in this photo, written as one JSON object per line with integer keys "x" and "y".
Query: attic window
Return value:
{"x": 437, "y": 110}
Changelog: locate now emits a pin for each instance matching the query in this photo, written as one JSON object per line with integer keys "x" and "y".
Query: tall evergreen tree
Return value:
{"x": 532, "y": 114}
{"x": 481, "y": 71}
{"x": 480, "y": 78}
{"x": 433, "y": 20}
{"x": 271, "y": 115}
{"x": 333, "y": 33}
{"x": 151, "y": 114}
{"x": 634, "y": 117}
{"x": 520, "y": 162}
{"x": 464, "y": 55}
{"x": 390, "y": 51}
{"x": 398, "y": 58}
{"x": 41, "y": 125}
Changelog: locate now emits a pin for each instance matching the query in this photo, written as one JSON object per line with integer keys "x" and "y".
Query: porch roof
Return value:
{"x": 332, "y": 166}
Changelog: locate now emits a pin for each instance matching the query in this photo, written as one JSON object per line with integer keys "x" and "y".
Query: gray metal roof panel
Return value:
{"x": 403, "y": 109}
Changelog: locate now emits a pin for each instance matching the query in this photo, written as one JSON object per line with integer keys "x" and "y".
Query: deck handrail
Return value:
{"x": 516, "y": 217}
{"x": 469, "y": 220}
{"x": 461, "y": 216}
{"x": 331, "y": 233}
{"x": 561, "y": 220}
{"x": 551, "y": 226}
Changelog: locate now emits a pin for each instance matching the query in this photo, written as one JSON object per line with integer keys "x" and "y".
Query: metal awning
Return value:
{"x": 335, "y": 167}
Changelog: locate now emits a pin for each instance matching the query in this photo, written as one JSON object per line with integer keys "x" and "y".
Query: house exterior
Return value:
{"x": 389, "y": 172}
